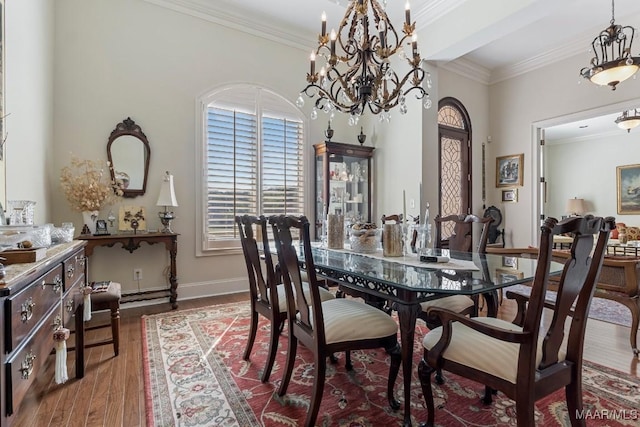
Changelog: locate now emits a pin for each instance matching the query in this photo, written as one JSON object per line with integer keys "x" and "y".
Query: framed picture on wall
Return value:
{"x": 132, "y": 218}
{"x": 509, "y": 170}
{"x": 510, "y": 195}
{"x": 628, "y": 189}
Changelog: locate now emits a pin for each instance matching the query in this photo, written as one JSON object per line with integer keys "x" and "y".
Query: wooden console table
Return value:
{"x": 131, "y": 242}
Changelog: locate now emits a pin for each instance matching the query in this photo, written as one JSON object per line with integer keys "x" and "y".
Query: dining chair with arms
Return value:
{"x": 325, "y": 327}
{"x": 460, "y": 241}
{"x": 526, "y": 361}
{"x": 267, "y": 295}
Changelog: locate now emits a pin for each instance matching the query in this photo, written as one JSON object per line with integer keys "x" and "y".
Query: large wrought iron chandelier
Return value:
{"x": 612, "y": 62}
{"x": 356, "y": 74}
{"x": 629, "y": 119}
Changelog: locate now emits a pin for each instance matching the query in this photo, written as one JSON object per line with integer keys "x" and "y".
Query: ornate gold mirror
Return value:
{"x": 129, "y": 152}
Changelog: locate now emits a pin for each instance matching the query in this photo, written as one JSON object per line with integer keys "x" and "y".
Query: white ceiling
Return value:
{"x": 491, "y": 39}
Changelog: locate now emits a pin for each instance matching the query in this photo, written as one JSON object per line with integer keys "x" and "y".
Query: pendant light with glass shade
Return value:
{"x": 629, "y": 119}
{"x": 613, "y": 61}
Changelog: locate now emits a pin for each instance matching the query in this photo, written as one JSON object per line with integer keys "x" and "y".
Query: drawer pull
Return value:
{"x": 56, "y": 285}
{"x": 70, "y": 305}
{"x": 27, "y": 365}
{"x": 70, "y": 270}
{"x": 57, "y": 323}
{"x": 26, "y": 310}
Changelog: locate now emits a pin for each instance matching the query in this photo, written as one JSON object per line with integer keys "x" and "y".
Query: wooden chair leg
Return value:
{"x": 253, "y": 327}
{"x": 288, "y": 368}
{"x": 573, "y": 394}
{"x": 424, "y": 374}
{"x": 525, "y": 411}
{"x": 115, "y": 327}
{"x": 273, "y": 348}
{"x": 318, "y": 388}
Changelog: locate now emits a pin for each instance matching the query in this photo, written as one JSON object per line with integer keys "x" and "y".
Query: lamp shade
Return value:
{"x": 575, "y": 206}
{"x": 167, "y": 195}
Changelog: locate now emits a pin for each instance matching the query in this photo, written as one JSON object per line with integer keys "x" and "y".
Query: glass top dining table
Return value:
{"x": 406, "y": 282}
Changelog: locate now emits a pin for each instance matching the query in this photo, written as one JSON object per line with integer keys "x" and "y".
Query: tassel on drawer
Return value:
{"x": 86, "y": 291}
{"x": 60, "y": 337}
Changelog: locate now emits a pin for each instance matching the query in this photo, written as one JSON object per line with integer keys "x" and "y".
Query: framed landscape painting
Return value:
{"x": 509, "y": 170}
{"x": 628, "y": 191}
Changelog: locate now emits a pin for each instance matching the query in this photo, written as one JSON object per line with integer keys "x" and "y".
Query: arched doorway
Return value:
{"x": 454, "y": 148}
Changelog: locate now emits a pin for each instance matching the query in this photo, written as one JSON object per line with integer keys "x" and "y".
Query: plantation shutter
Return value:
{"x": 232, "y": 157}
{"x": 254, "y": 161}
{"x": 282, "y": 186}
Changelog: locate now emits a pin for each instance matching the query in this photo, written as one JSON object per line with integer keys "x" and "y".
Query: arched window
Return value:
{"x": 252, "y": 146}
{"x": 454, "y": 132}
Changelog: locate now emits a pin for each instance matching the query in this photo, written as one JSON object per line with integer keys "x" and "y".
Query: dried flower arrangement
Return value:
{"x": 88, "y": 186}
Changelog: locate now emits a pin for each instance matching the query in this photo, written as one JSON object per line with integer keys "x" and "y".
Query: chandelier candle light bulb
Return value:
{"x": 355, "y": 72}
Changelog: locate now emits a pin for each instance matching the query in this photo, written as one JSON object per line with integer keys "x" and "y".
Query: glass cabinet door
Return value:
{"x": 343, "y": 182}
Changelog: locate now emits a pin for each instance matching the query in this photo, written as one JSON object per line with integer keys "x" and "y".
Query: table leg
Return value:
{"x": 173, "y": 252}
{"x": 491, "y": 298}
{"x": 407, "y": 315}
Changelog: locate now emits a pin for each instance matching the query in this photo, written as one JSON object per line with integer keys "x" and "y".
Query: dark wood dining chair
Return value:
{"x": 326, "y": 327}
{"x": 268, "y": 297}
{"x": 461, "y": 240}
{"x": 525, "y": 360}
{"x": 460, "y": 237}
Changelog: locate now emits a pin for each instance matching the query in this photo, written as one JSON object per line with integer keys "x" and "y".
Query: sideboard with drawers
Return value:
{"x": 35, "y": 299}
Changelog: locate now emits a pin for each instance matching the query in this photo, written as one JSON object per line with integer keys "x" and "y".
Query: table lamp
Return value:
{"x": 167, "y": 198}
{"x": 575, "y": 206}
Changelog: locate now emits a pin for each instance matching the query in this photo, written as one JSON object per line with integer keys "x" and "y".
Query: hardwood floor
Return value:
{"x": 112, "y": 391}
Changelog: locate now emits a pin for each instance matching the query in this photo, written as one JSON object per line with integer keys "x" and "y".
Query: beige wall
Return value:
{"x": 120, "y": 58}
{"x": 519, "y": 103}
{"x": 29, "y": 102}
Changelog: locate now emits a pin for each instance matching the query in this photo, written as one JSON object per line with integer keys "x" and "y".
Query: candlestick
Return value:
{"x": 313, "y": 62}
{"x": 333, "y": 42}
{"x": 407, "y": 13}
{"x": 420, "y": 205}
{"x": 382, "y": 27}
{"x": 404, "y": 206}
{"x": 414, "y": 45}
{"x": 324, "y": 24}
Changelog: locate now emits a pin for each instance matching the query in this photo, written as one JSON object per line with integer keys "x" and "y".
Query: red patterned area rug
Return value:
{"x": 194, "y": 375}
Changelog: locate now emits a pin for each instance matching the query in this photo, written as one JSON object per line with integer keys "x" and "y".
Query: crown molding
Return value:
{"x": 434, "y": 10}
{"x": 468, "y": 69}
{"x": 559, "y": 53}
{"x": 209, "y": 11}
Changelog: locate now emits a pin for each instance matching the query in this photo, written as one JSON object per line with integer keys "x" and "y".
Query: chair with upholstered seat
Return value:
{"x": 325, "y": 327}
{"x": 267, "y": 296}
{"x": 107, "y": 300}
{"x": 460, "y": 240}
{"x": 533, "y": 358}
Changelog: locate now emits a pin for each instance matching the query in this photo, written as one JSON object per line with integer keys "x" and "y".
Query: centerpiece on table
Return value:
{"x": 88, "y": 187}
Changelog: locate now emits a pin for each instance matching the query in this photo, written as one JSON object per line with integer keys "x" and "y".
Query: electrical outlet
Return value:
{"x": 137, "y": 274}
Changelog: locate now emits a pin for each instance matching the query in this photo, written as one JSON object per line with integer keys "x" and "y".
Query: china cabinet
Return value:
{"x": 343, "y": 182}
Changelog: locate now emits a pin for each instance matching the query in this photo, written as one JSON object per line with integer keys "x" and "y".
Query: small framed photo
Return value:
{"x": 508, "y": 275}
{"x": 510, "y": 195}
{"x": 132, "y": 218}
{"x": 101, "y": 228}
{"x": 510, "y": 261}
{"x": 509, "y": 170}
